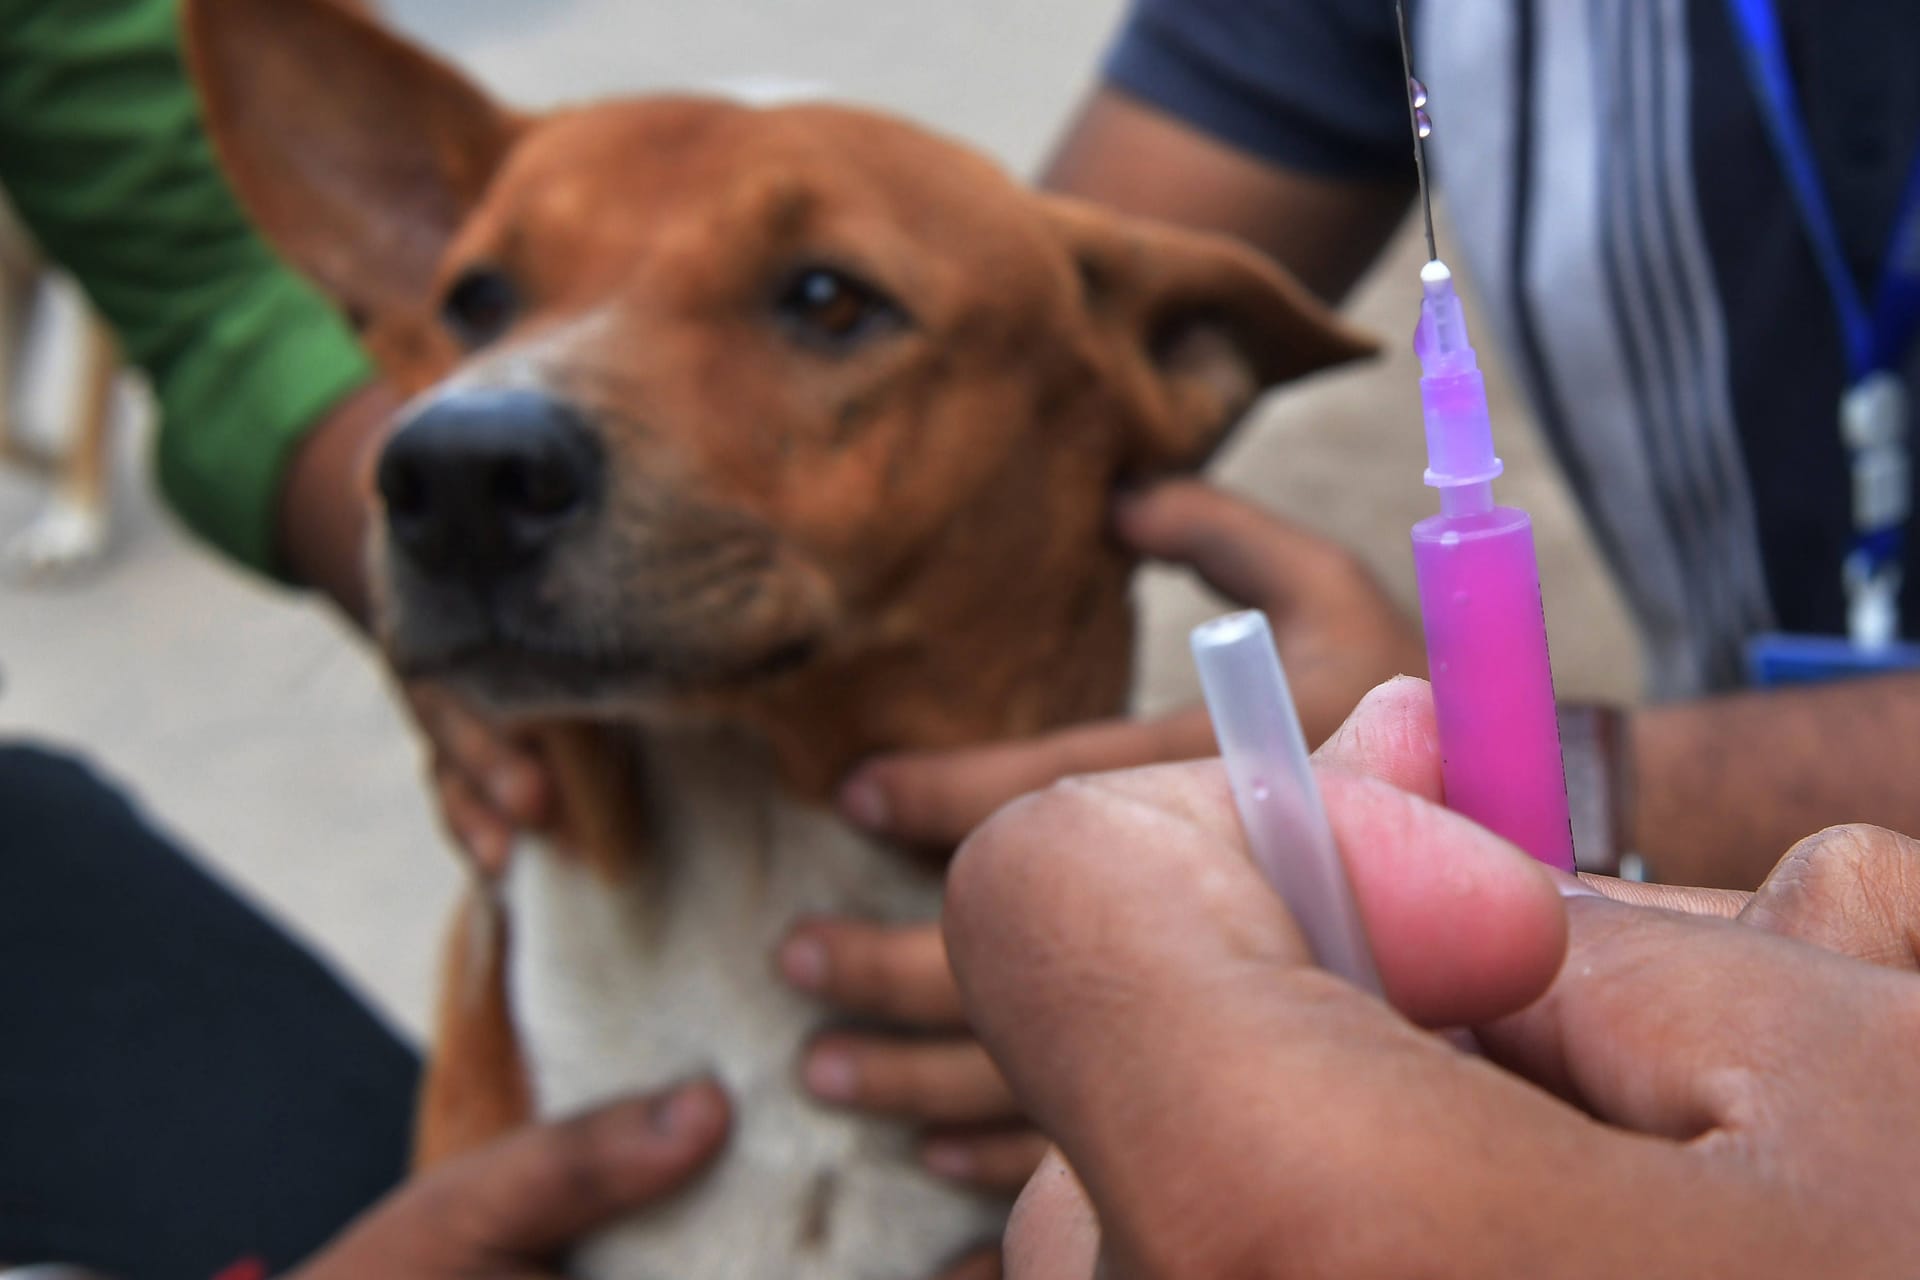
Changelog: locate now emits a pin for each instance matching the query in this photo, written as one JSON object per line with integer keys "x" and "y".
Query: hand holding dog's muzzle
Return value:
{"x": 490, "y": 782}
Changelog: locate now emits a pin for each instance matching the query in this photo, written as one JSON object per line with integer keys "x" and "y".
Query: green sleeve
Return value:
{"x": 102, "y": 152}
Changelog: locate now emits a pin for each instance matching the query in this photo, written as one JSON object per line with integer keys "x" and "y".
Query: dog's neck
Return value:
{"x": 728, "y": 845}
{"x": 620, "y": 987}
{"x": 998, "y": 678}
{"x": 990, "y": 677}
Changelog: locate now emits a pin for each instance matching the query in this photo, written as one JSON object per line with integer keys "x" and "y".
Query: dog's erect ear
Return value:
{"x": 358, "y": 154}
{"x": 1193, "y": 326}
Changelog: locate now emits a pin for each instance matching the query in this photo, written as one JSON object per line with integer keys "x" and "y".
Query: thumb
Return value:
{"x": 1145, "y": 992}
{"x": 1053, "y": 1233}
{"x": 540, "y": 1190}
{"x": 1391, "y": 735}
{"x": 1854, "y": 890}
{"x": 1134, "y": 891}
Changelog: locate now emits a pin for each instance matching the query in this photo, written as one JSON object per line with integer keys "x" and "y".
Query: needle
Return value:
{"x": 1422, "y": 125}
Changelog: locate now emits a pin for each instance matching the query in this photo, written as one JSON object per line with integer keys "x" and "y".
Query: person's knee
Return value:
{"x": 36, "y": 777}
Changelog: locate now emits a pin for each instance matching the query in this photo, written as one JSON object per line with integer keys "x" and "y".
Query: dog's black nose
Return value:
{"x": 483, "y": 481}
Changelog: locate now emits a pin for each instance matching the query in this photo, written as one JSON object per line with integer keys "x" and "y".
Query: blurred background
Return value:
{"x": 257, "y": 728}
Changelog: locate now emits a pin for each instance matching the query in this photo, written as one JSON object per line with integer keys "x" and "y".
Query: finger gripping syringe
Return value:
{"x": 1479, "y": 585}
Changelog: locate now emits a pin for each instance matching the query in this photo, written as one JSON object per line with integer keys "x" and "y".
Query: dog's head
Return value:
{"x": 715, "y": 406}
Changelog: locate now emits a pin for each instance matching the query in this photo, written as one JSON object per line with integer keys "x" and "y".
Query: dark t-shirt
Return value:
{"x": 1610, "y": 179}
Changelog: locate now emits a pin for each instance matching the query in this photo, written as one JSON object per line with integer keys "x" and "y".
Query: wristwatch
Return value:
{"x": 1596, "y": 744}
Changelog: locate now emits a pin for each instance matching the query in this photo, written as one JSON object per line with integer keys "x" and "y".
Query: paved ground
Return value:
{"x": 252, "y": 725}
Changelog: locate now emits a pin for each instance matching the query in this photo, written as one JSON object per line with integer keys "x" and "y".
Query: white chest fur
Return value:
{"x": 621, "y": 989}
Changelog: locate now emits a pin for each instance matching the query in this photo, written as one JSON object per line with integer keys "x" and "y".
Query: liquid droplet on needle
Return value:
{"x": 1422, "y": 122}
{"x": 1418, "y": 92}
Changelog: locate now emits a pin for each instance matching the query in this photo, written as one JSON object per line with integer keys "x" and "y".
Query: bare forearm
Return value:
{"x": 1124, "y": 154}
{"x": 327, "y": 500}
{"x": 1724, "y": 786}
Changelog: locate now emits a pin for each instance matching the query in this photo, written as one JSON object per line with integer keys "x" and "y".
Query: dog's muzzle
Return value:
{"x": 483, "y": 482}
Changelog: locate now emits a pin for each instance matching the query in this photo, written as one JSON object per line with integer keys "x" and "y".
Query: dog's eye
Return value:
{"x": 482, "y": 305}
{"x": 833, "y": 309}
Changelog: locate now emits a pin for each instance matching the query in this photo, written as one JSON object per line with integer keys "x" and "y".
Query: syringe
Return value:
{"x": 1479, "y": 582}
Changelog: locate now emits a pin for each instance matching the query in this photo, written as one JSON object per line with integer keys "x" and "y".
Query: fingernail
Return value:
{"x": 1572, "y": 886}
{"x": 803, "y": 962}
{"x": 507, "y": 788}
{"x": 831, "y": 1074}
{"x": 865, "y": 802}
{"x": 949, "y": 1160}
{"x": 688, "y": 1107}
{"x": 491, "y": 850}
{"x": 1127, "y": 502}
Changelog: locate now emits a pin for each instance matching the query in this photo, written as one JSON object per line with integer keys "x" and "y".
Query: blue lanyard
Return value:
{"x": 1873, "y": 412}
{"x": 1877, "y": 338}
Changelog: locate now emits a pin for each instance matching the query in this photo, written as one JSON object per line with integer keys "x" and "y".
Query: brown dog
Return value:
{"x": 761, "y": 441}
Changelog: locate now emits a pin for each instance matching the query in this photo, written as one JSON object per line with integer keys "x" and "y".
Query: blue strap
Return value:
{"x": 1874, "y": 340}
{"x": 1896, "y": 317}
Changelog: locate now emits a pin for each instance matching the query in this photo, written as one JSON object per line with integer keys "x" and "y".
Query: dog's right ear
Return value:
{"x": 357, "y": 154}
{"x": 1194, "y": 327}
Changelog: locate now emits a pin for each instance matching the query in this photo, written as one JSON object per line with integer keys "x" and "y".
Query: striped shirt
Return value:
{"x": 1609, "y": 176}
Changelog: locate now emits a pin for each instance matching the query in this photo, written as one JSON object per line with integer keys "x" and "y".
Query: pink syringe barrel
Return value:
{"x": 1479, "y": 581}
{"x": 1492, "y": 678}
